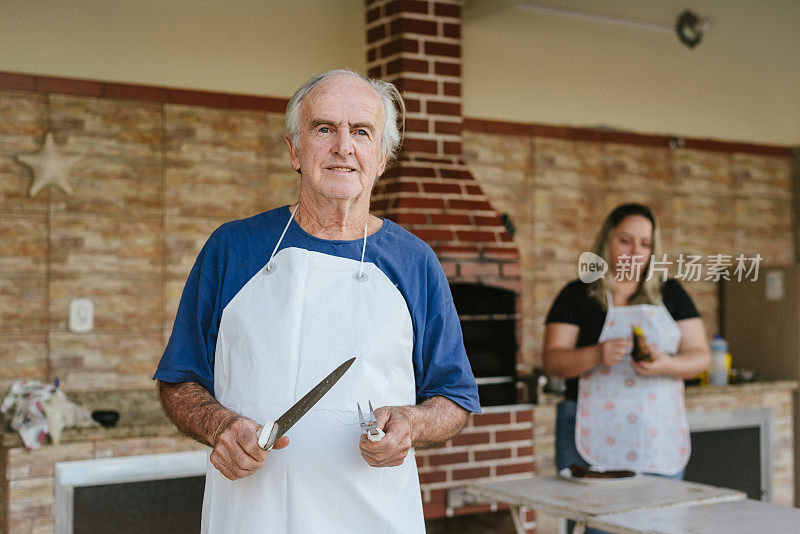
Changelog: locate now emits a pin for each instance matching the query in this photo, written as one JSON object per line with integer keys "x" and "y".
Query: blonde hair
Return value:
{"x": 648, "y": 291}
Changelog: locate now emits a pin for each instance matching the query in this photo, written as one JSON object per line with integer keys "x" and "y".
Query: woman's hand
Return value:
{"x": 661, "y": 364}
{"x": 613, "y": 350}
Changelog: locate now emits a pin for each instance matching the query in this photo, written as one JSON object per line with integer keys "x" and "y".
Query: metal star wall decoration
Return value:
{"x": 49, "y": 166}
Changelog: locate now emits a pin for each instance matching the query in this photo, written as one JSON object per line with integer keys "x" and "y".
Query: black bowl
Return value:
{"x": 107, "y": 418}
{"x": 742, "y": 376}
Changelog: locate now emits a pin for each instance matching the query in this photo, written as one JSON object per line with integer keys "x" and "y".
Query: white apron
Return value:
{"x": 626, "y": 420}
{"x": 286, "y": 329}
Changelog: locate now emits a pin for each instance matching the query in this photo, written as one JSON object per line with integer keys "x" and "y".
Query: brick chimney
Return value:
{"x": 416, "y": 45}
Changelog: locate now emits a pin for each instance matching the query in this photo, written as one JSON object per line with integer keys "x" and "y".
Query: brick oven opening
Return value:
{"x": 489, "y": 323}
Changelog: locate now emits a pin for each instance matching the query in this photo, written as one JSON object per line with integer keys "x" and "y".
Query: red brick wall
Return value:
{"x": 494, "y": 446}
{"x": 417, "y": 46}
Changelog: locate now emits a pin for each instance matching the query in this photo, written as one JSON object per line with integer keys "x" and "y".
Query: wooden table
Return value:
{"x": 727, "y": 517}
{"x": 584, "y": 501}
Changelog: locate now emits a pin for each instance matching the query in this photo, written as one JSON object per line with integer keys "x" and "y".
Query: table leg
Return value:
{"x": 515, "y": 517}
{"x": 580, "y": 527}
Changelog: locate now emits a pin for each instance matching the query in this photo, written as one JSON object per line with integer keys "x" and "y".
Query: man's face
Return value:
{"x": 339, "y": 149}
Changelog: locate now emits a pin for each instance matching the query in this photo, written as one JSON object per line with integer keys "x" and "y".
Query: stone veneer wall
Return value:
{"x": 157, "y": 177}
{"x": 558, "y": 184}
{"x": 488, "y": 445}
{"x": 155, "y": 180}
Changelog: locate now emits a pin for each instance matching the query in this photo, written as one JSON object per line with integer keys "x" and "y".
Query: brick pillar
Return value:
{"x": 416, "y": 45}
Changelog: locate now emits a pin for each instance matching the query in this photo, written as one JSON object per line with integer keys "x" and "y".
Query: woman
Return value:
{"x": 619, "y": 413}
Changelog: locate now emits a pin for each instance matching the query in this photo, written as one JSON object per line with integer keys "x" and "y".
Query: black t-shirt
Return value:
{"x": 574, "y": 306}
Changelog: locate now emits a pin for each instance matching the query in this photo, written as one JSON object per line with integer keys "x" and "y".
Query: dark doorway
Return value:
{"x": 489, "y": 320}
{"x": 171, "y": 506}
{"x": 729, "y": 458}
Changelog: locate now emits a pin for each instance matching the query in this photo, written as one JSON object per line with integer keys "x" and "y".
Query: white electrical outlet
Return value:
{"x": 81, "y": 315}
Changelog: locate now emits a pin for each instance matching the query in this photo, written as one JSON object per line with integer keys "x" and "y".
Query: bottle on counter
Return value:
{"x": 718, "y": 370}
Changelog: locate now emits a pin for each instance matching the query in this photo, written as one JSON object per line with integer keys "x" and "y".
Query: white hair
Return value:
{"x": 393, "y": 106}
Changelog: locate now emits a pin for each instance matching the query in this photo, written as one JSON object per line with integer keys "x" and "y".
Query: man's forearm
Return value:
{"x": 195, "y": 411}
{"x": 436, "y": 420}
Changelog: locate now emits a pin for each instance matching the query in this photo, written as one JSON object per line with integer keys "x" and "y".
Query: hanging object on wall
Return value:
{"x": 690, "y": 28}
{"x": 49, "y": 166}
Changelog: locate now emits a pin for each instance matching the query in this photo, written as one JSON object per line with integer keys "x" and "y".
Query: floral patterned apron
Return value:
{"x": 626, "y": 420}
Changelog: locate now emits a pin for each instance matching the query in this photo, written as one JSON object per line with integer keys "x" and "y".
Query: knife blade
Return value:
{"x": 273, "y": 430}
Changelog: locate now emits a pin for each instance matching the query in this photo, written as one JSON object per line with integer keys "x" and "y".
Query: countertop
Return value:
{"x": 141, "y": 415}
{"x": 549, "y": 399}
{"x": 750, "y": 387}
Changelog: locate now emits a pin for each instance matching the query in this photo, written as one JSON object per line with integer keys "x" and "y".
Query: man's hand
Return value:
{"x": 393, "y": 448}
{"x": 236, "y": 452}
{"x": 434, "y": 421}
{"x": 233, "y": 437}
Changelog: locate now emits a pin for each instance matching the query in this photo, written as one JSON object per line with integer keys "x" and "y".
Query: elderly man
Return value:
{"x": 276, "y": 301}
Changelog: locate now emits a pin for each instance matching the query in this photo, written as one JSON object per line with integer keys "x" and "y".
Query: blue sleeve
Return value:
{"x": 445, "y": 369}
{"x": 189, "y": 356}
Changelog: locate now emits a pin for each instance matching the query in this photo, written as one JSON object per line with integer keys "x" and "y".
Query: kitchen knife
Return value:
{"x": 273, "y": 430}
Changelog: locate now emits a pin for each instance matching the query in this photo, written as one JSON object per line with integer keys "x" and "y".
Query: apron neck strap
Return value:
{"x": 363, "y": 250}
{"x": 289, "y": 222}
{"x": 610, "y": 299}
{"x": 275, "y": 250}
